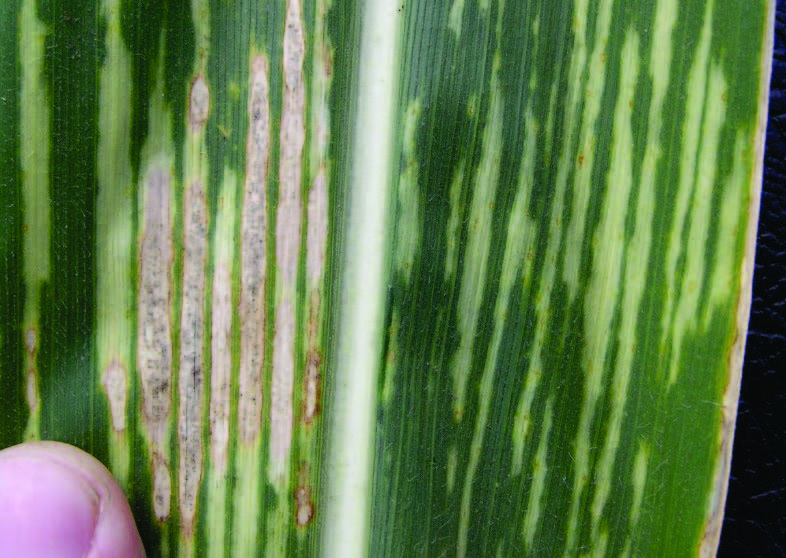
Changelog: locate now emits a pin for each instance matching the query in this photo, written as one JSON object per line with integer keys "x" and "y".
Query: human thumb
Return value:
{"x": 56, "y": 500}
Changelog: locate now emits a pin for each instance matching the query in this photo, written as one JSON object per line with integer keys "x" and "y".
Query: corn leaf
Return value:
{"x": 385, "y": 278}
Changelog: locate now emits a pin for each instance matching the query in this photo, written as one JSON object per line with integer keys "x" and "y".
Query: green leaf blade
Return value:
{"x": 482, "y": 292}
{"x": 584, "y": 314}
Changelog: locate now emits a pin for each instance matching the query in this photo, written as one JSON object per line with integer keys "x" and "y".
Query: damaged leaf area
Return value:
{"x": 382, "y": 278}
{"x": 213, "y": 215}
{"x": 154, "y": 357}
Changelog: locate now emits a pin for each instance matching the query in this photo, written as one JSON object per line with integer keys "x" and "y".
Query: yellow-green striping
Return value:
{"x": 588, "y": 89}
{"x": 456, "y": 15}
{"x": 607, "y": 287}
{"x": 694, "y": 238}
{"x": 407, "y": 230}
{"x": 520, "y": 234}
{"x": 522, "y": 231}
{"x": 729, "y": 229}
{"x": 540, "y": 471}
{"x": 639, "y": 479}
{"x": 540, "y": 393}
{"x": 602, "y": 291}
{"x": 478, "y": 243}
{"x": 701, "y": 129}
{"x": 35, "y": 164}
{"x": 217, "y": 490}
{"x": 115, "y": 245}
{"x": 451, "y": 256}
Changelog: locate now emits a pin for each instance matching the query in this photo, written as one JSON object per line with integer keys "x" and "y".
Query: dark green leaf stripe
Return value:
{"x": 568, "y": 257}
{"x": 14, "y": 410}
{"x": 424, "y": 278}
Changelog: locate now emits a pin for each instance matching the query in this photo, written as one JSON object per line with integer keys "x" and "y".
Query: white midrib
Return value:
{"x": 348, "y": 491}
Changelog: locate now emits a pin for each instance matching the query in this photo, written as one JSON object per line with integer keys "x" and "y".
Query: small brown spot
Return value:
{"x": 31, "y": 341}
{"x": 316, "y": 235}
{"x": 312, "y": 387}
{"x": 304, "y": 506}
{"x": 162, "y": 489}
{"x": 328, "y": 62}
{"x": 581, "y": 160}
{"x": 200, "y": 102}
{"x": 31, "y": 392}
{"x": 116, "y": 387}
{"x": 31, "y": 347}
{"x": 313, "y": 318}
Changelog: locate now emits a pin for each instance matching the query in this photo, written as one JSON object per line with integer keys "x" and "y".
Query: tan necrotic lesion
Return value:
{"x": 253, "y": 255}
{"x": 154, "y": 356}
{"x": 288, "y": 240}
{"x": 191, "y": 375}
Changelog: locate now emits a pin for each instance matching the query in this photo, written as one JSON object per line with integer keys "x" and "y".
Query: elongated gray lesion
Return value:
{"x": 221, "y": 366}
{"x": 317, "y": 218}
{"x": 253, "y": 255}
{"x": 191, "y": 375}
{"x": 288, "y": 227}
{"x": 154, "y": 355}
{"x": 316, "y": 242}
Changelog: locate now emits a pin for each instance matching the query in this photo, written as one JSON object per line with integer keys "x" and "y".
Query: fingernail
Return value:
{"x": 46, "y": 509}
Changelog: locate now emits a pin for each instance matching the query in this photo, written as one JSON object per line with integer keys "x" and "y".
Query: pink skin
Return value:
{"x": 56, "y": 500}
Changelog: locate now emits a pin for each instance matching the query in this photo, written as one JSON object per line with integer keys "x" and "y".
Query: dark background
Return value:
{"x": 755, "y": 521}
